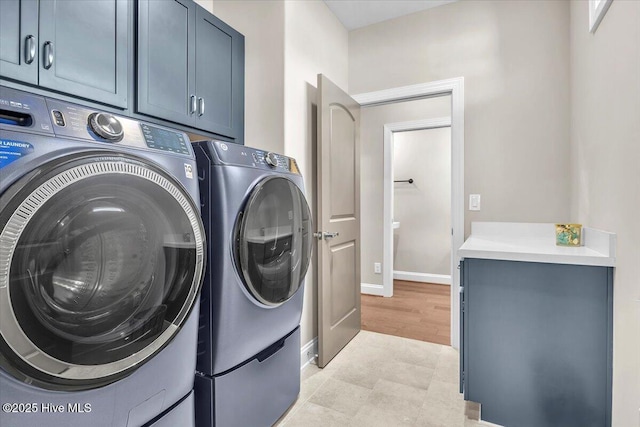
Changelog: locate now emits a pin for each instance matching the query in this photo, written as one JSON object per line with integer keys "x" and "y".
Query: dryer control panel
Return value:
{"x": 230, "y": 153}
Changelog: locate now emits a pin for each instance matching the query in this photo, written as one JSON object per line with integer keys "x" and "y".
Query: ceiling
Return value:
{"x": 360, "y": 13}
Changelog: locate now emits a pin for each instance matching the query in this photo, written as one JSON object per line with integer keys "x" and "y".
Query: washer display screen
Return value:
{"x": 164, "y": 139}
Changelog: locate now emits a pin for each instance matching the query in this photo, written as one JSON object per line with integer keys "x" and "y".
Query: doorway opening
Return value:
{"x": 420, "y": 246}
{"x": 453, "y": 90}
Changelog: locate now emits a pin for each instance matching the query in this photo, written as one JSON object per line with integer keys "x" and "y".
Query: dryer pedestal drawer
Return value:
{"x": 256, "y": 393}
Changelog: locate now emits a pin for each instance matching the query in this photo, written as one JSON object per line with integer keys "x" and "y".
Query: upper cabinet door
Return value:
{"x": 219, "y": 77}
{"x": 19, "y": 35}
{"x": 166, "y": 60}
{"x": 83, "y": 48}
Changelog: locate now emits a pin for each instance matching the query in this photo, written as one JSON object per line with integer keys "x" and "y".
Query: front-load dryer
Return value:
{"x": 260, "y": 236}
{"x": 101, "y": 259}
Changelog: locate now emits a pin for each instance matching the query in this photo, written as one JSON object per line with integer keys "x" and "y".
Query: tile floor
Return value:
{"x": 383, "y": 380}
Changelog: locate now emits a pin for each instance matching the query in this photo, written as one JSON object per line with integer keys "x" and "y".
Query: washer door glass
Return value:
{"x": 273, "y": 242}
{"x": 105, "y": 257}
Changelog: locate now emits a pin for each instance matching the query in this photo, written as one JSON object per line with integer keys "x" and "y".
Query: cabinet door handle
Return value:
{"x": 193, "y": 106}
{"x": 29, "y": 49}
{"x": 200, "y": 107}
{"x": 48, "y": 55}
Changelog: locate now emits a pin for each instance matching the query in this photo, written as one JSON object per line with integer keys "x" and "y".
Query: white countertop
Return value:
{"x": 536, "y": 243}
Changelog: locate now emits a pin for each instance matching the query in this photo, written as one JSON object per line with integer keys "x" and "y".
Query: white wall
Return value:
{"x": 423, "y": 241}
{"x": 315, "y": 42}
{"x": 605, "y": 167}
{"x": 372, "y": 121}
{"x": 514, "y": 56}
{"x": 262, "y": 24}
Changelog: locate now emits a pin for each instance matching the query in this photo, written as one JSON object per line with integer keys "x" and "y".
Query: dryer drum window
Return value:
{"x": 274, "y": 240}
{"x": 104, "y": 258}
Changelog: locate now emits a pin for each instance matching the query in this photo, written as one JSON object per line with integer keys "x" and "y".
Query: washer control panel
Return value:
{"x": 75, "y": 121}
{"x": 246, "y": 156}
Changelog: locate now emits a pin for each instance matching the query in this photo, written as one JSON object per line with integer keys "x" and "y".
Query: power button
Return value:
{"x": 58, "y": 118}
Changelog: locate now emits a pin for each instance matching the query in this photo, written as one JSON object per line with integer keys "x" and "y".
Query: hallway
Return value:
{"x": 420, "y": 311}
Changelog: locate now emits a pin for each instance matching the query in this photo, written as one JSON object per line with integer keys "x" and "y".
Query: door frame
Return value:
{"x": 455, "y": 88}
{"x": 388, "y": 195}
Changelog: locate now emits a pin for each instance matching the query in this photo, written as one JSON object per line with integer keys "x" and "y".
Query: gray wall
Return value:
{"x": 514, "y": 56}
{"x": 422, "y": 244}
{"x": 605, "y": 169}
{"x": 372, "y": 121}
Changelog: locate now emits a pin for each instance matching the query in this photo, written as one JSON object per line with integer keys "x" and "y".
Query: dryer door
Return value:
{"x": 101, "y": 259}
{"x": 273, "y": 241}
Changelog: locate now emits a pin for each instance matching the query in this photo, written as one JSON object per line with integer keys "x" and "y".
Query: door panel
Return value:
{"x": 343, "y": 257}
{"x": 338, "y": 212}
{"x": 214, "y": 70}
{"x": 19, "y": 27}
{"x": 166, "y": 66}
{"x": 219, "y": 77}
{"x": 87, "y": 45}
{"x": 342, "y": 163}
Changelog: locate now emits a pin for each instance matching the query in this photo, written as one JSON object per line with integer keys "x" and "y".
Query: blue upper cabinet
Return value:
{"x": 166, "y": 54}
{"x": 219, "y": 77}
{"x": 67, "y": 46}
{"x": 190, "y": 68}
{"x": 83, "y": 49}
{"x": 19, "y": 40}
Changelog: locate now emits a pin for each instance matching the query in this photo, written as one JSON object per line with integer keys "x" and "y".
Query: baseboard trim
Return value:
{"x": 371, "y": 289}
{"x": 308, "y": 353}
{"x": 441, "y": 279}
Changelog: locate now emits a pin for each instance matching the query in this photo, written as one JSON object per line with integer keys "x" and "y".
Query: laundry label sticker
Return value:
{"x": 11, "y": 150}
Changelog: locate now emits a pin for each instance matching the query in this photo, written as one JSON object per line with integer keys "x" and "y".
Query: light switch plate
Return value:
{"x": 474, "y": 202}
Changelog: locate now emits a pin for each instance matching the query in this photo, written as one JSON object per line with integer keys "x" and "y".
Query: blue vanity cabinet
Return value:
{"x": 536, "y": 342}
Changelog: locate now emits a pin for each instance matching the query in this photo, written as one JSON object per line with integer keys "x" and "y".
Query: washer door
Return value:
{"x": 101, "y": 259}
{"x": 273, "y": 241}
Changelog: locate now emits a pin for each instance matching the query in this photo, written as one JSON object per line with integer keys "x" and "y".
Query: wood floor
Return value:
{"x": 421, "y": 311}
